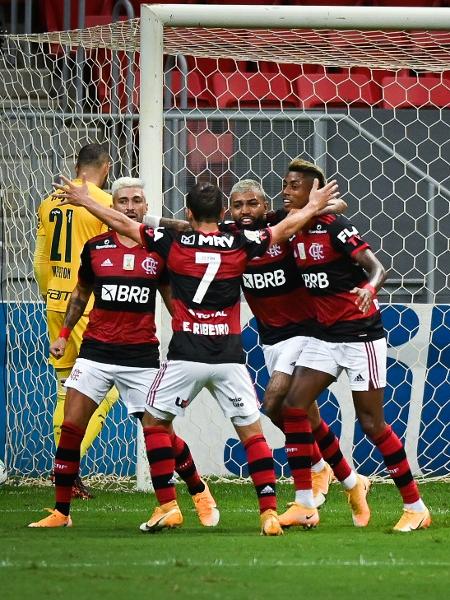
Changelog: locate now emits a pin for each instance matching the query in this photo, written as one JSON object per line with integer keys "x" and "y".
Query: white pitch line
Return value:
{"x": 220, "y": 563}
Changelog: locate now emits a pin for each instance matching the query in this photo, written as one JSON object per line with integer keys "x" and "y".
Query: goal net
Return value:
{"x": 371, "y": 107}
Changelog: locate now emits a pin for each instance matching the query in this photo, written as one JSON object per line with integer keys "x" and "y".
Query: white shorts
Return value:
{"x": 95, "y": 379}
{"x": 283, "y": 355}
{"x": 364, "y": 362}
{"x": 178, "y": 382}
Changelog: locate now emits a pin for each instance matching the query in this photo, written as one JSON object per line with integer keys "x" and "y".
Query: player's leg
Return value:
{"x": 98, "y": 419}
{"x": 204, "y": 502}
{"x": 306, "y": 386}
{"x": 78, "y": 408}
{"x": 175, "y": 385}
{"x": 134, "y": 386}
{"x": 280, "y": 361}
{"x": 369, "y": 410}
{"x": 232, "y": 382}
{"x": 58, "y": 413}
{"x": 261, "y": 470}
{"x": 87, "y": 384}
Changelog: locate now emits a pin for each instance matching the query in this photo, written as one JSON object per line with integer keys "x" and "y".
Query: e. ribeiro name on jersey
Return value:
{"x": 325, "y": 257}
{"x": 205, "y": 271}
{"x": 121, "y": 328}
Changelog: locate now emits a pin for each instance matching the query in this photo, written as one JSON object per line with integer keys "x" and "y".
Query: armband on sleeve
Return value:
{"x": 65, "y": 332}
{"x": 371, "y": 289}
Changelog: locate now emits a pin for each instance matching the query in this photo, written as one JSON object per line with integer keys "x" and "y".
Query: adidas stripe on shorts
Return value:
{"x": 364, "y": 362}
{"x": 178, "y": 382}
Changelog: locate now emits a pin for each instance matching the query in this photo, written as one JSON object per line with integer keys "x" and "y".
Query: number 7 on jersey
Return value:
{"x": 212, "y": 259}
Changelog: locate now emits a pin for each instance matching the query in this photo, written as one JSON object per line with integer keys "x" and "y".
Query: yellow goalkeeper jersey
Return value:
{"x": 61, "y": 234}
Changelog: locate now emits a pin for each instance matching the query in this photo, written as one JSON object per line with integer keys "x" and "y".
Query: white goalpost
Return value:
{"x": 191, "y": 92}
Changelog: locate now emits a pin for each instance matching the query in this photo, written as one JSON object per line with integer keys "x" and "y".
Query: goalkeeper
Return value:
{"x": 61, "y": 234}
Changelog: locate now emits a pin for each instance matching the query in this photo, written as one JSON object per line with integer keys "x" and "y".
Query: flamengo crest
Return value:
{"x": 150, "y": 265}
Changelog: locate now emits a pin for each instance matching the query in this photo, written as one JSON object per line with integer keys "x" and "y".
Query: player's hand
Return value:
{"x": 363, "y": 299}
{"x": 336, "y": 206}
{"x": 69, "y": 193}
{"x": 319, "y": 198}
{"x": 58, "y": 347}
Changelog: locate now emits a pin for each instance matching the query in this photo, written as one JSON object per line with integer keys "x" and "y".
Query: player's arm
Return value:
{"x": 79, "y": 196}
{"x": 297, "y": 218}
{"x": 40, "y": 264}
{"x": 75, "y": 310}
{"x": 376, "y": 275}
{"x": 177, "y": 224}
{"x": 166, "y": 295}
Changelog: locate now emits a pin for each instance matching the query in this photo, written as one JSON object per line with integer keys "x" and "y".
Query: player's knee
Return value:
{"x": 371, "y": 426}
{"x": 272, "y": 406}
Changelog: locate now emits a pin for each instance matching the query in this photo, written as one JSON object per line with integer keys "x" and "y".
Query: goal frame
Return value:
{"x": 154, "y": 17}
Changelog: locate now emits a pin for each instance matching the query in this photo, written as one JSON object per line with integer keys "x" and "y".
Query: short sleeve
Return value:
{"x": 228, "y": 227}
{"x": 256, "y": 242}
{"x": 157, "y": 240}
{"x": 345, "y": 237}
{"x": 85, "y": 272}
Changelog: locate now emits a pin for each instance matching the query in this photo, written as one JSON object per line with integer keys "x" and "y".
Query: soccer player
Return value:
{"x": 205, "y": 269}
{"x": 285, "y": 317}
{"x": 342, "y": 277}
{"x": 119, "y": 348}
{"x": 61, "y": 234}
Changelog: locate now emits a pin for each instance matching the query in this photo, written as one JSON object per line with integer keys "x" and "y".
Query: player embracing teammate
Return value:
{"x": 342, "y": 276}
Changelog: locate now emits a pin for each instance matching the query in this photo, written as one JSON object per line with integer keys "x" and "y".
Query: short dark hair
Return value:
{"x": 93, "y": 155}
{"x": 205, "y": 201}
{"x": 298, "y": 165}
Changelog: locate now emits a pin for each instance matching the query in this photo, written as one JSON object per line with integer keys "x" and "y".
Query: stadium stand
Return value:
{"x": 406, "y": 90}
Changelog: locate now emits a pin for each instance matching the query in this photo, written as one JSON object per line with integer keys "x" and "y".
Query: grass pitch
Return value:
{"x": 105, "y": 556}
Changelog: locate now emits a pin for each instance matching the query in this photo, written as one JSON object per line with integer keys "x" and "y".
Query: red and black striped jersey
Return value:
{"x": 275, "y": 293}
{"x": 205, "y": 271}
{"x": 325, "y": 253}
{"x": 121, "y": 328}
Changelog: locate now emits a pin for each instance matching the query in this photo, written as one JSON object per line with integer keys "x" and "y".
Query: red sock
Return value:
{"x": 316, "y": 454}
{"x": 394, "y": 457}
{"x": 67, "y": 464}
{"x": 162, "y": 462}
{"x": 261, "y": 470}
{"x": 185, "y": 466}
{"x": 331, "y": 451}
{"x": 299, "y": 443}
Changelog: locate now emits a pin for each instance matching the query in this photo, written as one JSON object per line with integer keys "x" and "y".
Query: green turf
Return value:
{"x": 105, "y": 556}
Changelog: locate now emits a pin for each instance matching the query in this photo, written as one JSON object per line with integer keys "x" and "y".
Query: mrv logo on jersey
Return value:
{"x": 125, "y": 293}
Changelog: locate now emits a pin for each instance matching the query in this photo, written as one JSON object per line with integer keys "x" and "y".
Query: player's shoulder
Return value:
{"x": 326, "y": 219}
{"x": 47, "y": 204}
{"x": 105, "y": 240}
{"x": 273, "y": 217}
{"x": 99, "y": 195}
{"x": 228, "y": 226}
{"x": 332, "y": 222}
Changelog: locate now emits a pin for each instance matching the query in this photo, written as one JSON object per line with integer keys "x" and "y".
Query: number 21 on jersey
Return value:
{"x": 62, "y": 220}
